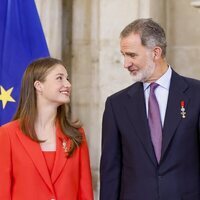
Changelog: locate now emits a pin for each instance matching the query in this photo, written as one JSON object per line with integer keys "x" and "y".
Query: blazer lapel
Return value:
{"x": 34, "y": 151}
{"x": 61, "y": 156}
{"x": 173, "y": 112}
{"x": 136, "y": 109}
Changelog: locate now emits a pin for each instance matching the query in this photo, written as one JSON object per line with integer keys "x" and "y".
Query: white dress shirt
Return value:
{"x": 161, "y": 92}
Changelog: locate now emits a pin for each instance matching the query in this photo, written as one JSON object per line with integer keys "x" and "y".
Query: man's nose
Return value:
{"x": 127, "y": 62}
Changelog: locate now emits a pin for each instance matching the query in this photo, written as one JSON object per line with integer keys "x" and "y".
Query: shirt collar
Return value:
{"x": 163, "y": 81}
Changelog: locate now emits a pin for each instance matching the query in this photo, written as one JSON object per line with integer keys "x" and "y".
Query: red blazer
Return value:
{"x": 24, "y": 174}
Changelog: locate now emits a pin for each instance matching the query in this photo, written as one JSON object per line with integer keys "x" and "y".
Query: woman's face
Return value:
{"x": 56, "y": 88}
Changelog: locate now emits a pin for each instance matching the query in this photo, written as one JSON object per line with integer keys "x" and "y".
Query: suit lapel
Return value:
{"x": 173, "y": 112}
{"x": 61, "y": 157}
{"x": 135, "y": 106}
{"x": 34, "y": 151}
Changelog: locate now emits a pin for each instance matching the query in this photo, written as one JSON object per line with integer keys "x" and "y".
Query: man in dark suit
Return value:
{"x": 148, "y": 155}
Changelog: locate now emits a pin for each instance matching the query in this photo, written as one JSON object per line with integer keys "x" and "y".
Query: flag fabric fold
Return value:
{"x": 21, "y": 41}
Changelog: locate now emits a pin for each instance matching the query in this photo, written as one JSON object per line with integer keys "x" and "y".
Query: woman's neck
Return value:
{"x": 45, "y": 123}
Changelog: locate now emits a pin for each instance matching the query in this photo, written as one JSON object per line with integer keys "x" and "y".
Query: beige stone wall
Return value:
{"x": 96, "y": 64}
{"x": 183, "y": 33}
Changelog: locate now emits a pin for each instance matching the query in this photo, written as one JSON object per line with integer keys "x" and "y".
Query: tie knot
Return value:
{"x": 153, "y": 86}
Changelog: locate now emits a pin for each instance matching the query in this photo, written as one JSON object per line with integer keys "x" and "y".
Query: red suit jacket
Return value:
{"x": 24, "y": 174}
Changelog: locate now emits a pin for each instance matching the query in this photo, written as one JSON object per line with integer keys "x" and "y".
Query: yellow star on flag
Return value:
{"x": 5, "y": 96}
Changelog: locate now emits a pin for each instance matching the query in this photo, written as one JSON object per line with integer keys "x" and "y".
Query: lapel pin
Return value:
{"x": 64, "y": 146}
{"x": 183, "y": 113}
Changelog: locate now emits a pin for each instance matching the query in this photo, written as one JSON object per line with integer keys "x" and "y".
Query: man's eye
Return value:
{"x": 59, "y": 78}
{"x": 132, "y": 55}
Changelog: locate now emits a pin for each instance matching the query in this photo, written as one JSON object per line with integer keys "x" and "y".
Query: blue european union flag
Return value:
{"x": 21, "y": 41}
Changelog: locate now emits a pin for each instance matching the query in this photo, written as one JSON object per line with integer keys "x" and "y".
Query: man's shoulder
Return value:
{"x": 192, "y": 81}
{"x": 189, "y": 81}
{"x": 124, "y": 92}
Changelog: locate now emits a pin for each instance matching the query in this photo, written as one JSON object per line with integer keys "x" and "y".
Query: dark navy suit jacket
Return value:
{"x": 129, "y": 169}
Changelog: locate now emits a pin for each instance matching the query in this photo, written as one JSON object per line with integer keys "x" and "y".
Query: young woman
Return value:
{"x": 43, "y": 155}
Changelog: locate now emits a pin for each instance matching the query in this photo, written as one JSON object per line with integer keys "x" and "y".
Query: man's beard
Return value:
{"x": 144, "y": 74}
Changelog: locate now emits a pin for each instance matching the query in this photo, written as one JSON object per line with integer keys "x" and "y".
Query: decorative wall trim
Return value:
{"x": 195, "y": 3}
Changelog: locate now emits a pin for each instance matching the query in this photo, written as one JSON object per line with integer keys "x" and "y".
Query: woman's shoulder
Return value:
{"x": 81, "y": 130}
{"x": 10, "y": 126}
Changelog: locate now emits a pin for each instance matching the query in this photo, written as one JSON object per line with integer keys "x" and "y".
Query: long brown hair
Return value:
{"x": 27, "y": 108}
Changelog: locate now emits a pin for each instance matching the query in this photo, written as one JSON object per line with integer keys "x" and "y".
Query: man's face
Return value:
{"x": 138, "y": 59}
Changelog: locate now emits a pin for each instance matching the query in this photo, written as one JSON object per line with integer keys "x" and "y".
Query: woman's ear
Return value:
{"x": 38, "y": 86}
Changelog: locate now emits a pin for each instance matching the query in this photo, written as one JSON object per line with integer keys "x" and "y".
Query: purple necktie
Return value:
{"x": 154, "y": 119}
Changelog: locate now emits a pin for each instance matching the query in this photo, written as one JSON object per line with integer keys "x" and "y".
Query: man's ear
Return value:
{"x": 157, "y": 52}
{"x": 38, "y": 86}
